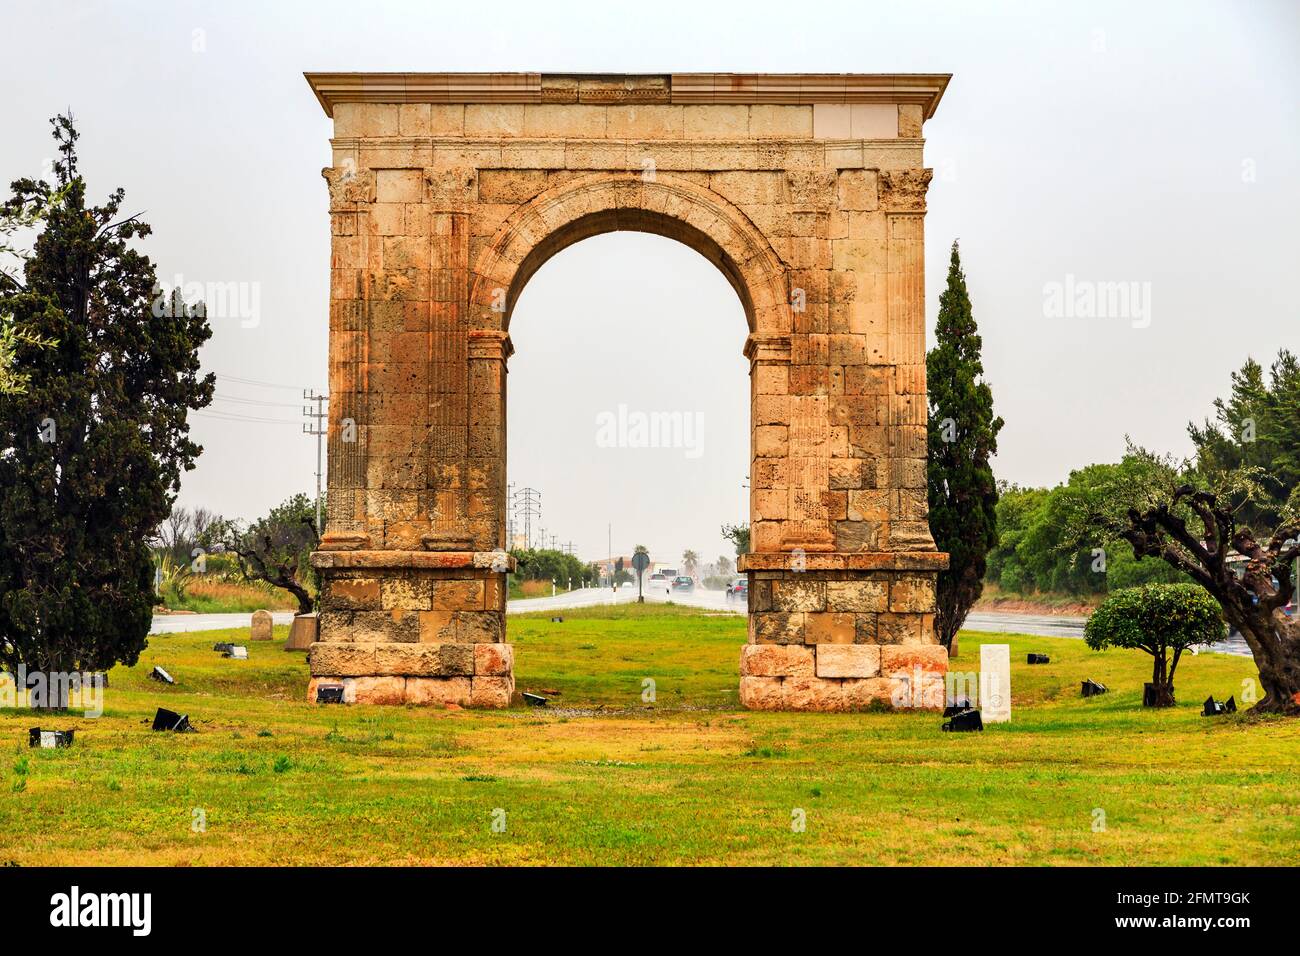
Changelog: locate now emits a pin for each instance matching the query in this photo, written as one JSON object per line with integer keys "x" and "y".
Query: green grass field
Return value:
{"x": 604, "y": 778}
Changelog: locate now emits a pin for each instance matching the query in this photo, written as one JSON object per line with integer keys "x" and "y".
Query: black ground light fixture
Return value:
{"x": 161, "y": 676}
{"x": 966, "y": 720}
{"x": 957, "y": 708}
{"x": 170, "y": 720}
{"x": 49, "y": 739}
{"x": 535, "y": 700}
{"x": 1217, "y": 708}
{"x": 329, "y": 693}
{"x": 1091, "y": 688}
{"x": 1039, "y": 659}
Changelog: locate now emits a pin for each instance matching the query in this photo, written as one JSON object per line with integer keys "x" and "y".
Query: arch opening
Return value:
{"x": 626, "y": 360}
{"x": 630, "y": 220}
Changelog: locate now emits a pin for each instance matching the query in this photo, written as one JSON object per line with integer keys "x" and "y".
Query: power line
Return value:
{"x": 232, "y": 417}
{"x": 254, "y": 401}
{"x": 253, "y": 381}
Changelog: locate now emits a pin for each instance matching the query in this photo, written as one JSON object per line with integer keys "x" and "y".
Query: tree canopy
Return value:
{"x": 96, "y": 434}
{"x": 1161, "y": 619}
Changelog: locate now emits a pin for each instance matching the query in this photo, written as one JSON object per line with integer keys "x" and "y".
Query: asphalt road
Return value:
{"x": 592, "y": 597}
{"x": 179, "y": 623}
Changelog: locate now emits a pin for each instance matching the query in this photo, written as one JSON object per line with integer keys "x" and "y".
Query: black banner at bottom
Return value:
{"x": 331, "y": 905}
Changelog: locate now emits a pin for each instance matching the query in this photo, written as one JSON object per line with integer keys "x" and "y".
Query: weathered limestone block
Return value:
{"x": 376, "y": 690}
{"x": 863, "y": 693}
{"x": 860, "y": 595}
{"x": 848, "y": 660}
{"x": 458, "y": 595}
{"x": 798, "y": 593}
{"x": 909, "y": 592}
{"x": 352, "y": 593}
{"x": 812, "y": 693}
{"x": 928, "y": 658}
{"x": 438, "y": 691}
{"x": 760, "y": 693}
{"x": 829, "y": 627}
{"x": 493, "y": 660}
{"x": 776, "y": 628}
{"x": 491, "y": 691}
{"x": 342, "y": 660}
{"x": 776, "y": 660}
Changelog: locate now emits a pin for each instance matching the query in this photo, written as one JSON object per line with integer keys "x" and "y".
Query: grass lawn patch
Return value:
{"x": 604, "y": 776}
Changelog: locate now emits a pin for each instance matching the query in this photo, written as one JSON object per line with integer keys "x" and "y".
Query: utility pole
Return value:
{"x": 528, "y": 503}
{"x": 319, "y": 431}
{"x": 510, "y": 515}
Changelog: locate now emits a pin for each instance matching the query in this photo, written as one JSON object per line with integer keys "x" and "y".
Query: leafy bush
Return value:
{"x": 1157, "y": 619}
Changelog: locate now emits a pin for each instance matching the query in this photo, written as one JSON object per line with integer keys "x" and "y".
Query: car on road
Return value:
{"x": 683, "y": 582}
{"x": 658, "y": 580}
{"x": 738, "y": 589}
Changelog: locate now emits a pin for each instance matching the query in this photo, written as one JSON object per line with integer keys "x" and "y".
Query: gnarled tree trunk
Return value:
{"x": 1274, "y": 640}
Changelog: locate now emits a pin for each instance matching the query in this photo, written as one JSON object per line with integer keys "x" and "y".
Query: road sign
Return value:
{"x": 640, "y": 561}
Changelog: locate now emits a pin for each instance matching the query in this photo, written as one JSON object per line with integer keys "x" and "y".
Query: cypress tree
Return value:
{"x": 962, "y": 436}
{"x": 93, "y": 446}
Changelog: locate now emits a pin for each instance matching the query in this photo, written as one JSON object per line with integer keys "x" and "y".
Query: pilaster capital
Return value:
{"x": 490, "y": 344}
{"x": 903, "y": 190}
{"x": 768, "y": 348}
{"x": 349, "y": 186}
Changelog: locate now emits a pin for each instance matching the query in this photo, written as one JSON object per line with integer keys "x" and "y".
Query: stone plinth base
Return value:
{"x": 379, "y": 672}
{"x": 302, "y": 633}
{"x": 834, "y": 632}
{"x": 413, "y": 627}
{"x": 424, "y": 691}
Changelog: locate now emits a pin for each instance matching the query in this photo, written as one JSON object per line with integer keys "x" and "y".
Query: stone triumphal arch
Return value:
{"x": 448, "y": 191}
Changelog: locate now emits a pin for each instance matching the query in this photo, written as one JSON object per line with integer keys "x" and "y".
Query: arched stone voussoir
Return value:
{"x": 666, "y": 205}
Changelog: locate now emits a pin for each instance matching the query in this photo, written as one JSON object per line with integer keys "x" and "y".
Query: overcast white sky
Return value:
{"x": 1155, "y": 143}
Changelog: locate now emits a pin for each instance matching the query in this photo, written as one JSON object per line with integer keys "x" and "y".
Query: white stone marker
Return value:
{"x": 995, "y": 683}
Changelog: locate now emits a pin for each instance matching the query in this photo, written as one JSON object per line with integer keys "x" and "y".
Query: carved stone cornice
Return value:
{"x": 923, "y": 89}
{"x": 845, "y": 561}
{"x": 431, "y": 558}
{"x": 903, "y": 190}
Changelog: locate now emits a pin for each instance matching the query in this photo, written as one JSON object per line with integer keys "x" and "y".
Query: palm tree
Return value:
{"x": 689, "y": 561}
